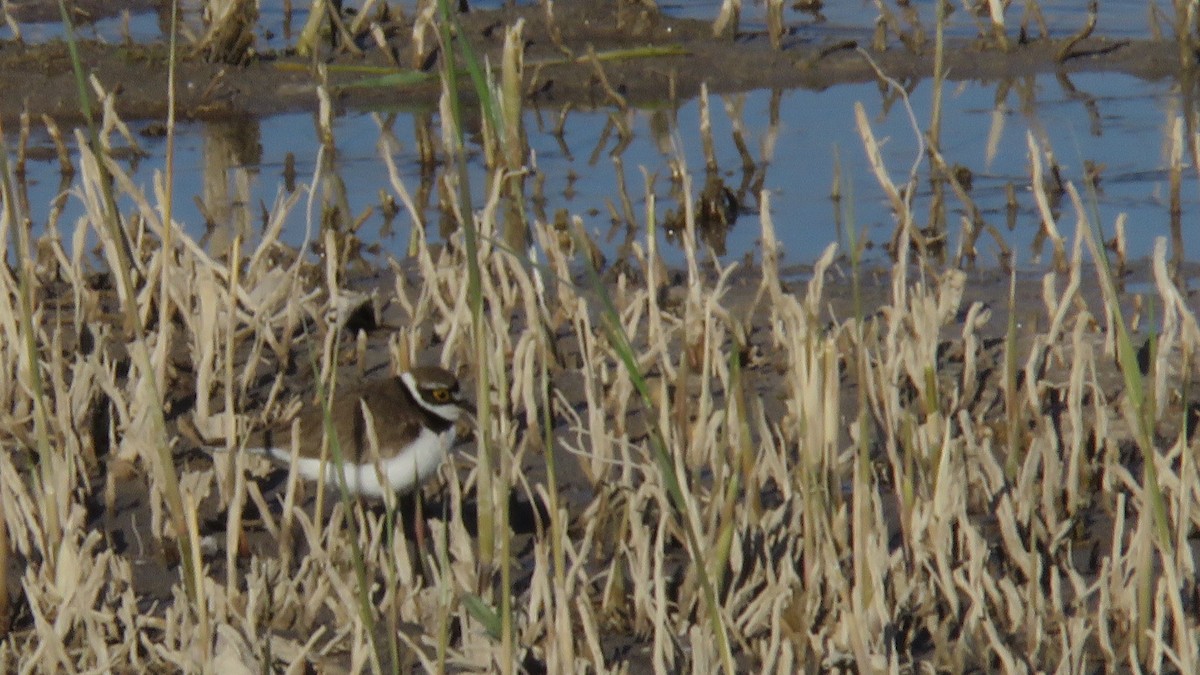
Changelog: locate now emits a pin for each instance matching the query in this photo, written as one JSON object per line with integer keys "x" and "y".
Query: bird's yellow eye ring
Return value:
{"x": 441, "y": 395}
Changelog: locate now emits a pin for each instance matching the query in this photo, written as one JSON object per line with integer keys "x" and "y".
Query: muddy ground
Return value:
{"x": 556, "y": 71}
{"x": 156, "y": 569}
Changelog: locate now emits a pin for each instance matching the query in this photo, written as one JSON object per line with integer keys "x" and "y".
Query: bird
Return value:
{"x": 414, "y": 415}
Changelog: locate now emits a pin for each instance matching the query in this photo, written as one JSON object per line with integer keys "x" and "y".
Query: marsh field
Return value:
{"x": 955, "y": 435}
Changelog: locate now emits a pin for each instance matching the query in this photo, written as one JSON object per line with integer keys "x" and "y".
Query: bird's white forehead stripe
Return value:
{"x": 447, "y": 411}
{"x": 409, "y": 382}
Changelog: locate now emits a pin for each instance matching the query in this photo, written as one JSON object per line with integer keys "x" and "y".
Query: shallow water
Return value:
{"x": 794, "y": 138}
{"x": 1117, "y": 18}
{"x": 1118, "y": 122}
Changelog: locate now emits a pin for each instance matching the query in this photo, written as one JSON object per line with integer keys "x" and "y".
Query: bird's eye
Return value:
{"x": 441, "y": 395}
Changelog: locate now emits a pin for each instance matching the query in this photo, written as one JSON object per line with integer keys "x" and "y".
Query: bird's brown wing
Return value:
{"x": 384, "y": 398}
{"x": 395, "y": 422}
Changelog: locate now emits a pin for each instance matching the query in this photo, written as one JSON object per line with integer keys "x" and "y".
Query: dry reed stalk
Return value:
{"x": 939, "y": 175}
{"x": 1175, "y": 179}
{"x": 626, "y": 213}
{"x": 901, "y": 199}
{"x": 237, "y": 497}
{"x": 995, "y": 135}
{"x": 423, "y": 26}
{"x": 1038, "y": 184}
{"x": 728, "y": 19}
{"x": 53, "y": 475}
{"x": 554, "y": 29}
{"x": 13, "y": 25}
{"x": 1066, "y": 51}
{"x": 362, "y": 15}
{"x": 776, "y": 28}
{"x": 5, "y": 560}
{"x": 735, "y": 111}
{"x": 973, "y": 222}
{"x": 514, "y": 145}
{"x": 614, "y": 97}
{"x": 996, "y": 14}
{"x": 706, "y": 138}
{"x": 230, "y": 31}
{"x": 886, "y": 21}
{"x": 110, "y": 122}
{"x": 19, "y": 162}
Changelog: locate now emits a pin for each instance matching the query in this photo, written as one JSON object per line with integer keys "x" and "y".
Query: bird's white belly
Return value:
{"x": 400, "y": 474}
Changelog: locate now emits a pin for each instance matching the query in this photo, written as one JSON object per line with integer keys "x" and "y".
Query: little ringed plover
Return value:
{"x": 413, "y": 416}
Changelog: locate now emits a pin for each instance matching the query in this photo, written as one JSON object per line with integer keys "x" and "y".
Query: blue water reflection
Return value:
{"x": 1117, "y": 123}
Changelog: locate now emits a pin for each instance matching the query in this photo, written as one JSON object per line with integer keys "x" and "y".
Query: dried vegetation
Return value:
{"x": 721, "y": 472}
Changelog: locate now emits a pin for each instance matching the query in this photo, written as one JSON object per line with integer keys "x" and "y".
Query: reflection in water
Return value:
{"x": 232, "y": 152}
{"x": 718, "y": 206}
{"x": 616, "y": 171}
{"x": 716, "y": 212}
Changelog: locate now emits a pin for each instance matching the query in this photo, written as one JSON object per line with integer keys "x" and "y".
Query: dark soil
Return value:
{"x": 157, "y": 567}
